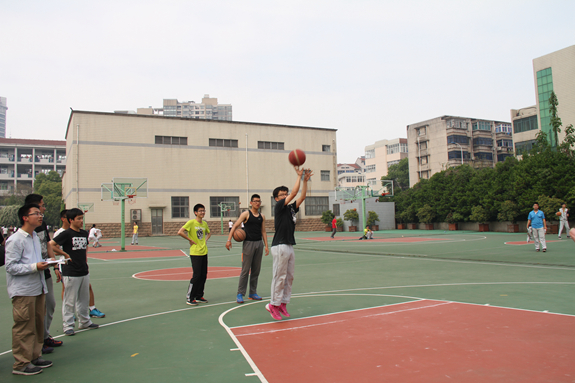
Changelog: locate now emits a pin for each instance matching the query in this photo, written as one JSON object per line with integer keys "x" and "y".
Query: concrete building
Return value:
{"x": 380, "y": 156}
{"x": 437, "y": 144}
{"x": 22, "y": 160}
{"x": 552, "y": 72}
{"x": 188, "y": 161}
{"x": 208, "y": 109}
{"x": 351, "y": 175}
{"x": 3, "y": 109}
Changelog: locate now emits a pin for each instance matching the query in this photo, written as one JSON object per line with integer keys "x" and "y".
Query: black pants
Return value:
{"x": 198, "y": 281}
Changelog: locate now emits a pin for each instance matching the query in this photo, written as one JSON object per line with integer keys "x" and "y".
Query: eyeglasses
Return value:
{"x": 37, "y": 213}
{"x": 256, "y": 201}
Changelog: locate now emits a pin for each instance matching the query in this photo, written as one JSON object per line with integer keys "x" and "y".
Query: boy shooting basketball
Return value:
{"x": 283, "y": 242}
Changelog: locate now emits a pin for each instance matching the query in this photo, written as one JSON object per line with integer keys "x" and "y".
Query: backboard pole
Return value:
{"x": 123, "y": 231}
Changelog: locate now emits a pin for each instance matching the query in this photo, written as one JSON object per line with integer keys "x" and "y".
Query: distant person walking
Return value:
{"x": 538, "y": 225}
{"x": 135, "y": 234}
{"x": 564, "y": 220}
{"x": 333, "y": 227}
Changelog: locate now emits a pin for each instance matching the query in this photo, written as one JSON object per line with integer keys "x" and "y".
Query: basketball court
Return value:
{"x": 407, "y": 306}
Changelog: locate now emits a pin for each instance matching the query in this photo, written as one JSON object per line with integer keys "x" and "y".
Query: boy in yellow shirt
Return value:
{"x": 197, "y": 233}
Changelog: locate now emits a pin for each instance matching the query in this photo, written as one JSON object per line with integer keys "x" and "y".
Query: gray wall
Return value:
{"x": 385, "y": 211}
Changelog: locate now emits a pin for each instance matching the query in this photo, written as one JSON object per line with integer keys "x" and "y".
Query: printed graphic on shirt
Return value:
{"x": 200, "y": 233}
{"x": 79, "y": 243}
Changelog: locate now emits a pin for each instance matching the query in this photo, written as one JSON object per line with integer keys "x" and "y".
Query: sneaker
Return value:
{"x": 255, "y": 297}
{"x": 192, "y": 303}
{"x": 47, "y": 350}
{"x": 28, "y": 370}
{"x": 202, "y": 300}
{"x": 240, "y": 298}
{"x": 544, "y": 250}
{"x": 537, "y": 250}
{"x": 39, "y": 362}
{"x": 69, "y": 332}
{"x": 97, "y": 313}
{"x": 92, "y": 326}
{"x": 51, "y": 342}
{"x": 558, "y": 237}
{"x": 273, "y": 310}
{"x": 283, "y": 310}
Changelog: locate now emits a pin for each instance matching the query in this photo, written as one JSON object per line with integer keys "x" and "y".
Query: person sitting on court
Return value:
{"x": 367, "y": 233}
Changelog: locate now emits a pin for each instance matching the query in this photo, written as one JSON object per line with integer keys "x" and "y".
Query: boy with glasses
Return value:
{"x": 197, "y": 233}
{"x": 252, "y": 250}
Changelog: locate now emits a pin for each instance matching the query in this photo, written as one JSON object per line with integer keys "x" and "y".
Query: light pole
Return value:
{"x": 461, "y": 148}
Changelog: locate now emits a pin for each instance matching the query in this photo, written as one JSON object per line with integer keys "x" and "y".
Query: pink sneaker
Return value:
{"x": 273, "y": 310}
{"x": 283, "y": 310}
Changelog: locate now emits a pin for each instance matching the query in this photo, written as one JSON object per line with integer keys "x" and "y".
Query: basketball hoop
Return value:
{"x": 116, "y": 203}
{"x": 85, "y": 211}
{"x": 131, "y": 199}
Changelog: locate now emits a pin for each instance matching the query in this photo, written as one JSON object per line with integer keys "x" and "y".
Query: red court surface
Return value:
{"x": 133, "y": 254}
{"x": 398, "y": 240}
{"x": 420, "y": 341}
{"x": 526, "y": 243}
{"x": 185, "y": 273}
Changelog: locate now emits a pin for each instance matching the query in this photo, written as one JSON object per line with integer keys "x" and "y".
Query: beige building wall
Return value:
{"x": 377, "y": 158}
{"x": 102, "y": 146}
{"x": 562, "y": 64}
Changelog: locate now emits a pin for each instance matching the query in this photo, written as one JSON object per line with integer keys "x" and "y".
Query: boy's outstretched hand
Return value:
{"x": 308, "y": 174}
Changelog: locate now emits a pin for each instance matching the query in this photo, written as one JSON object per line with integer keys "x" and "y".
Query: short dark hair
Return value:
{"x": 33, "y": 198}
{"x": 94, "y": 225}
{"x": 198, "y": 207}
{"x": 536, "y": 203}
{"x": 135, "y": 222}
{"x": 278, "y": 190}
{"x": 24, "y": 210}
{"x": 73, "y": 213}
{"x": 63, "y": 213}
{"x": 255, "y": 196}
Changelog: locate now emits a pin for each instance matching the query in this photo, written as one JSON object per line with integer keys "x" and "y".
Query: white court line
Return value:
{"x": 346, "y": 320}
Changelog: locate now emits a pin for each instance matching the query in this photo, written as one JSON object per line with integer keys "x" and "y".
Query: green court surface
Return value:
{"x": 149, "y": 334}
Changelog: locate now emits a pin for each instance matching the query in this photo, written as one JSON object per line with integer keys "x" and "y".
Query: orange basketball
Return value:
{"x": 239, "y": 235}
{"x": 558, "y": 214}
{"x": 297, "y": 157}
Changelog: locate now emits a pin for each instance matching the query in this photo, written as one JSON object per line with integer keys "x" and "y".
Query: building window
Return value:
{"x": 505, "y": 143}
{"x": 524, "y": 146}
{"x": 354, "y": 179}
{"x": 390, "y": 163}
{"x": 215, "y": 206}
{"x": 421, "y": 131}
{"x": 370, "y": 153}
{"x": 397, "y": 148}
{"x": 316, "y": 205}
{"x": 326, "y": 148}
{"x": 503, "y": 128}
{"x": 456, "y": 154}
{"x": 502, "y": 157}
{"x": 482, "y": 141}
{"x": 270, "y": 145}
{"x": 482, "y": 125}
{"x": 525, "y": 124}
{"x": 180, "y": 207}
{"x": 422, "y": 145}
{"x": 481, "y": 156}
{"x": 371, "y": 182}
{"x": 168, "y": 140}
{"x": 458, "y": 124}
{"x": 223, "y": 143}
{"x": 423, "y": 160}
{"x": 544, "y": 89}
{"x": 456, "y": 139}
{"x": 325, "y": 175}
{"x": 370, "y": 168}
{"x": 335, "y": 209}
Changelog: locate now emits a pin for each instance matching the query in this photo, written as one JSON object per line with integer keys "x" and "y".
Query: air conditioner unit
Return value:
{"x": 136, "y": 214}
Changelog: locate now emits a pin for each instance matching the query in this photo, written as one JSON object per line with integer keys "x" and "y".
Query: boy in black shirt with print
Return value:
{"x": 75, "y": 275}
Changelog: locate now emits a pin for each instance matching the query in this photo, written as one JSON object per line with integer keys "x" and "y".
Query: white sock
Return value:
{"x": 92, "y": 307}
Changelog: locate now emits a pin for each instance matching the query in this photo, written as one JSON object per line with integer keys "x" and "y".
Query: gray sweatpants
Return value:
{"x": 251, "y": 260}
{"x": 76, "y": 300}
{"x": 283, "y": 273}
{"x": 50, "y": 306}
{"x": 539, "y": 236}
{"x": 563, "y": 224}
{"x": 135, "y": 238}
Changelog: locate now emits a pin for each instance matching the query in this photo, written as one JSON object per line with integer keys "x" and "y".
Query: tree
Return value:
{"x": 479, "y": 214}
{"x": 326, "y": 217}
{"x": 351, "y": 215}
{"x": 9, "y": 216}
{"x": 556, "y": 123}
{"x": 50, "y": 187}
{"x": 509, "y": 211}
{"x": 426, "y": 214}
{"x": 372, "y": 218}
{"x": 399, "y": 173}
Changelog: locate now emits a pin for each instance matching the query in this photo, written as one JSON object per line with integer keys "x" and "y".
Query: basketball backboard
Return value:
{"x": 123, "y": 187}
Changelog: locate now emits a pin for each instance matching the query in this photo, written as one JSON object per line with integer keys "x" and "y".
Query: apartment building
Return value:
{"x": 21, "y": 160}
{"x": 437, "y": 144}
{"x": 380, "y": 156}
{"x": 208, "y": 109}
{"x": 3, "y": 109}
{"x": 351, "y": 175}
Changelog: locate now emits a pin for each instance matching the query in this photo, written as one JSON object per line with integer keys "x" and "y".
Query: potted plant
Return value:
{"x": 426, "y": 215}
{"x": 352, "y": 216}
{"x": 326, "y": 217}
{"x": 372, "y": 218}
{"x": 409, "y": 216}
{"x": 509, "y": 211}
{"x": 452, "y": 219}
{"x": 339, "y": 224}
{"x": 550, "y": 206}
{"x": 480, "y": 215}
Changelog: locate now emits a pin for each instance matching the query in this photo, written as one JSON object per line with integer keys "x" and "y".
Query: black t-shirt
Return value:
{"x": 253, "y": 227}
{"x": 75, "y": 244}
{"x": 285, "y": 218}
{"x": 44, "y": 236}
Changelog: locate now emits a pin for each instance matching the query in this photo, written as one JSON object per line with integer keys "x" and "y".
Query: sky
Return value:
{"x": 365, "y": 68}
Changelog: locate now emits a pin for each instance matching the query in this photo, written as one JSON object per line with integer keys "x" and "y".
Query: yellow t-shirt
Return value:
{"x": 197, "y": 232}
{"x": 135, "y": 229}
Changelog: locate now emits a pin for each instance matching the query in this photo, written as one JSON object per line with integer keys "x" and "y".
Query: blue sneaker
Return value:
{"x": 240, "y": 298}
{"x": 97, "y": 313}
{"x": 255, "y": 297}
